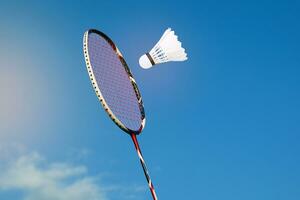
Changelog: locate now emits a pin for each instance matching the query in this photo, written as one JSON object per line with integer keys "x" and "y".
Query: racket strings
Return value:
{"x": 114, "y": 82}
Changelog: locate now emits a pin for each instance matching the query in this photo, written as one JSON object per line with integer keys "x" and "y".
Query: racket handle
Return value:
{"x": 137, "y": 147}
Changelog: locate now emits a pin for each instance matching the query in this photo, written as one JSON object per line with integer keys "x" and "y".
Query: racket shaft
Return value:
{"x": 137, "y": 147}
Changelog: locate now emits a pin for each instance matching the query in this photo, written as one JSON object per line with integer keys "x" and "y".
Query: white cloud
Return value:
{"x": 39, "y": 180}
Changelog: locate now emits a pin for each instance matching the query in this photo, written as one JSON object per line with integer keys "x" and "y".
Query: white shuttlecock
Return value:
{"x": 168, "y": 48}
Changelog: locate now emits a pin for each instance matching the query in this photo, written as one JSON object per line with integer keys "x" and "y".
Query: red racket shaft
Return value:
{"x": 137, "y": 147}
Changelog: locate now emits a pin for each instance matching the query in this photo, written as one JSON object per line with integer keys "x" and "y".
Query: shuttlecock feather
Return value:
{"x": 168, "y": 48}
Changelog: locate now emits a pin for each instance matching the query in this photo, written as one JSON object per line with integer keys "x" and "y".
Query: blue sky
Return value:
{"x": 222, "y": 125}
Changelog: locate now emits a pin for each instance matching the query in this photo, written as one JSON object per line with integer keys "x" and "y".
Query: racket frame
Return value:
{"x": 97, "y": 88}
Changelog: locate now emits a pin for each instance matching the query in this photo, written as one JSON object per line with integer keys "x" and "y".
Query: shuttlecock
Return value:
{"x": 168, "y": 48}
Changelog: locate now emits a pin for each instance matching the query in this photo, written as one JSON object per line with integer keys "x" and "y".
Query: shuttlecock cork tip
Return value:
{"x": 145, "y": 62}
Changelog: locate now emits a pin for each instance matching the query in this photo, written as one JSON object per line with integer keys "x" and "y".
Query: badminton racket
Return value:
{"x": 116, "y": 88}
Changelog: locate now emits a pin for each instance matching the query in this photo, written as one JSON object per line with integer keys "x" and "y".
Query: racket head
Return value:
{"x": 113, "y": 82}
